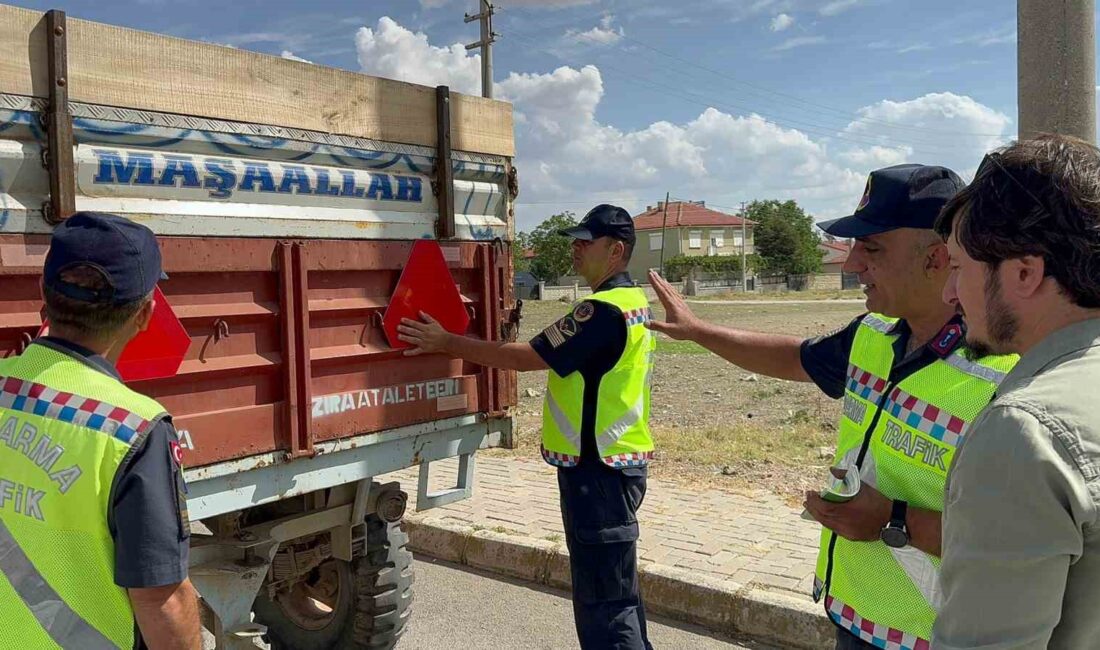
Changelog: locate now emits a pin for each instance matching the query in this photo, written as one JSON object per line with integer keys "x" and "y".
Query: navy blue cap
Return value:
{"x": 603, "y": 221}
{"x": 902, "y": 196}
{"x": 126, "y": 253}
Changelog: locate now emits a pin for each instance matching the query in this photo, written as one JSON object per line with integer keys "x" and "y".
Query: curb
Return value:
{"x": 719, "y": 605}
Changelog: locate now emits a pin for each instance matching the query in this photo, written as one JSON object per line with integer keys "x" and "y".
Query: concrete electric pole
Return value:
{"x": 744, "y": 242}
{"x": 486, "y": 45}
{"x": 1056, "y": 64}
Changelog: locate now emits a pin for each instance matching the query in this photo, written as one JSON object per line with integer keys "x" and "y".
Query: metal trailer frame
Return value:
{"x": 229, "y": 565}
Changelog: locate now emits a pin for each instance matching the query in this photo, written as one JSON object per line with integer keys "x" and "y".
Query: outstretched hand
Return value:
{"x": 680, "y": 322}
{"x": 426, "y": 334}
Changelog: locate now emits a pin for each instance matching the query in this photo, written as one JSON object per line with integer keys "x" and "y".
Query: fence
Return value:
{"x": 819, "y": 282}
{"x": 565, "y": 293}
{"x": 709, "y": 285}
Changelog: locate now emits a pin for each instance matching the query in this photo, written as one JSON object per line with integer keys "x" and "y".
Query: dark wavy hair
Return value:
{"x": 1036, "y": 197}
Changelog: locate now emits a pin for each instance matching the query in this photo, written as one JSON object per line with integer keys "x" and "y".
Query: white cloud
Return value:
{"x": 916, "y": 47}
{"x": 1000, "y": 35}
{"x": 250, "y": 38}
{"x": 946, "y": 129}
{"x": 390, "y": 50}
{"x": 287, "y": 54}
{"x": 837, "y": 6}
{"x": 568, "y": 159}
{"x": 799, "y": 41}
{"x": 876, "y": 157}
{"x": 781, "y": 22}
{"x": 897, "y": 47}
{"x": 603, "y": 34}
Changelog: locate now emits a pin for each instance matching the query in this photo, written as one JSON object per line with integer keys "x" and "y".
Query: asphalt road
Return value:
{"x": 456, "y": 608}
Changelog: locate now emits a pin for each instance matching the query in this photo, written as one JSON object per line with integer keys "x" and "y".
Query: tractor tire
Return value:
{"x": 369, "y": 609}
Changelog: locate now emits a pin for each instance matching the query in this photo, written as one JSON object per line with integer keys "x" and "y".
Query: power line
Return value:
{"x": 848, "y": 115}
{"x": 807, "y": 127}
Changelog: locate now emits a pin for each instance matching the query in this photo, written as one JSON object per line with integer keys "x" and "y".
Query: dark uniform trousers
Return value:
{"x": 599, "y": 508}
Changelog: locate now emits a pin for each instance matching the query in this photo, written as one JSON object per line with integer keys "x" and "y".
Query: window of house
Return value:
{"x": 736, "y": 239}
{"x": 656, "y": 240}
{"x": 718, "y": 237}
{"x": 695, "y": 239}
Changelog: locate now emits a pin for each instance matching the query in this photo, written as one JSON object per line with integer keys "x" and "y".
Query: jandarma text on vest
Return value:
{"x": 25, "y": 438}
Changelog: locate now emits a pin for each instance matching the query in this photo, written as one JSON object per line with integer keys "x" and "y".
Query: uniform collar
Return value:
{"x": 947, "y": 340}
{"x": 1069, "y": 340}
{"x": 80, "y": 353}
{"x": 617, "y": 281}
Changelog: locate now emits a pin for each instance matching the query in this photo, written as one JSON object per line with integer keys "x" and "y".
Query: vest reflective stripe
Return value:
{"x": 922, "y": 571}
{"x": 880, "y": 325}
{"x": 65, "y": 449}
{"x": 39, "y": 399}
{"x": 912, "y": 429}
{"x": 865, "y": 384}
{"x": 880, "y": 636}
{"x": 611, "y": 434}
{"x": 622, "y": 411}
{"x": 559, "y": 459}
{"x": 926, "y": 418}
{"x": 961, "y": 363}
{"x": 571, "y": 433}
{"x": 64, "y": 626}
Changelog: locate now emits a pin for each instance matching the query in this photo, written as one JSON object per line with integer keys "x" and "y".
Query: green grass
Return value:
{"x": 812, "y": 294}
{"x": 792, "y": 444}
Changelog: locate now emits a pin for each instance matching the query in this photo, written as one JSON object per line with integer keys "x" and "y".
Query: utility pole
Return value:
{"x": 1056, "y": 64}
{"x": 488, "y": 36}
{"x": 664, "y": 222}
{"x": 744, "y": 242}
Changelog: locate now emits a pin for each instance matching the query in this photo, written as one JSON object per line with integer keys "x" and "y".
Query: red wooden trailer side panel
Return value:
{"x": 287, "y": 347}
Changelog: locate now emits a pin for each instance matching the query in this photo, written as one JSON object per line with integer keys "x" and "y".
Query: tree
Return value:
{"x": 520, "y": 246}
{"x": 784, "y": 237}
{"x": 678, "y": 266}
{"x": 553, "y": 252}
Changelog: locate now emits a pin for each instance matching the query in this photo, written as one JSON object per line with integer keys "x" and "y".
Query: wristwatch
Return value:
{"x": 895, "y": 533}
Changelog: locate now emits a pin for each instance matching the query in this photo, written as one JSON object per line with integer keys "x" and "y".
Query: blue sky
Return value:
{"x": 717, "y": 100}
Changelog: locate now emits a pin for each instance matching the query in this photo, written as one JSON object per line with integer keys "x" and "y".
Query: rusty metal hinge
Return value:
{"x": 58, "y": 154}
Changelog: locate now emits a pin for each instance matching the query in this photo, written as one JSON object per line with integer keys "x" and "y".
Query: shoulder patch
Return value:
{"x": 176, "y": 451}
{"x": 560, "y": 330}
{"x": 568, "y": 326}
{"x": 947, "y": 340}
{"x": 584, "y": 311}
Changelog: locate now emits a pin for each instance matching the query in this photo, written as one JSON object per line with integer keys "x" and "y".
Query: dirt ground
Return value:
{"x": 714, "y": 423}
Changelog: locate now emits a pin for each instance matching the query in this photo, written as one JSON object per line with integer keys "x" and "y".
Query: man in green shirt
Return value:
{"x": 1021, "y": 549}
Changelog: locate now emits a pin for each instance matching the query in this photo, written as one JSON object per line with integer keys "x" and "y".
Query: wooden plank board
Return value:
{"x": 116, "y": 66}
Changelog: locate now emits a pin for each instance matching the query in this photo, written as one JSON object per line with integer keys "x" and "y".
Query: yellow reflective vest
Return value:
{"x": 902, "y": 436}
{"x": 65, "y": 429}
{"x": 622, "y": 411}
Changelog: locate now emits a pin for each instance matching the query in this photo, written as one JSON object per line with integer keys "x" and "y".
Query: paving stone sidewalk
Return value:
{"x": 752, "y": 540}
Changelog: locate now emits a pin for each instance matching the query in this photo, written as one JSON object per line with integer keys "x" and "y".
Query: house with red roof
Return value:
{"x": 836, "y": 254}
{"x": 686, "y": 228}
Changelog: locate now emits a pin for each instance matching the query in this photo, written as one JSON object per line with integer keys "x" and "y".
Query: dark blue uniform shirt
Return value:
{"x": 825, "y": 358}
{"x": 590, "y": 344}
